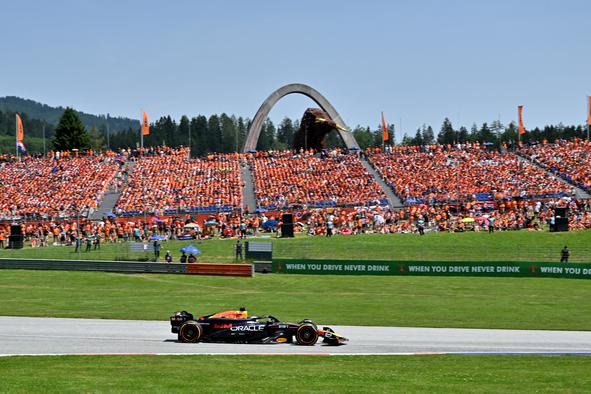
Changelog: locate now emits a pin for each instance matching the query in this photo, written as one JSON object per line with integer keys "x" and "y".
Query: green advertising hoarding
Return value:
{"x": 422, "y": 268}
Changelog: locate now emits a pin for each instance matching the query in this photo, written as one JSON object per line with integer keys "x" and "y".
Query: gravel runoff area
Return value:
{"x": 57, "y": 336}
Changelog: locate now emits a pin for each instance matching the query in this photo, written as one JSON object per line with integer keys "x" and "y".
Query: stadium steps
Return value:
{"x": 393, "y": 199}
{"x": 580, "y": 194}
{"x": 248, "y": 198}
{"x": 111, "y": 196}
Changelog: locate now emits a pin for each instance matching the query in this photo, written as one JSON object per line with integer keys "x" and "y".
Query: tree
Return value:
{"x": 97, "y": 139}
{"x": 242, "y": 132}
{"x": 447, "y": 133}
{"x": 428, "y": 135}
{"x": 462, "y": 135}
{"x": 497, "y": 128}
{"x": 392, "y": 134}
{"x": 229, "y": 133}
{"x": 214, "y": 134}
{"x": 406, "y": 140}
{"x": 364, "y": 137}
{"x": 267, "y": 137}
{"x": 486, "y": 135}
{"x": 285, "y": 132}
{"x": 199, "y": 135}
{"x": 418, "y": 140}
{"x": 70, "y": 132}
{"x": 184, "y": 130}
{"x": 473, "y": 136}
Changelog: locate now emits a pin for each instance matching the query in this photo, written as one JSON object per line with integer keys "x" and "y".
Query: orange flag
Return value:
{"x": 385, "y": 136}
{"x": 521, "y": 128}
{"x": 145, "y": 124}
{"x": 589, "y": 112}
{"x": 20, "y": 133}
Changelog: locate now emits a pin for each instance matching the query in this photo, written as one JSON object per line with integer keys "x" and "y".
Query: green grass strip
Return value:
{"x": 500, "y": 246}
{"x": 517, "y": 303}
{"x": 296, "y": 374}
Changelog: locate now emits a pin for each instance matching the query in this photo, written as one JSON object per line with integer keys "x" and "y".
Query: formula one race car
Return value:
{"x": 238, "y": 327}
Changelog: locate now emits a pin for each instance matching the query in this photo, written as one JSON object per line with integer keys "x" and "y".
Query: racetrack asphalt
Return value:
{"x": 57, "y": 336}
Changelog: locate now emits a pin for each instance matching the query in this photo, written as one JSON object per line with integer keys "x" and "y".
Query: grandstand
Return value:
{"x": 284, "y": 179}
{"x": 568, "y": 159}
{"x": 438, "y": 174}
{"x": 444, "y": 188}
{"x": 167, "y": 182}
{"x": 52, "y": 187}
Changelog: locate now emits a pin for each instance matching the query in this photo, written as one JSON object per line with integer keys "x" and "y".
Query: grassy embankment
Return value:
{"x": 518, "y": 303}
{"x": 500, "y": 246}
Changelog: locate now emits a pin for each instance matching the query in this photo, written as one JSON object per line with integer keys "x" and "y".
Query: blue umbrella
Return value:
{"x": 190, "y": 250}
{"x": 252, "y": 151}
{"x": 156, "y": 237}
{"x": 354, "y": 148}
{"x": 109, "y": 214}
{"x": 260, "y": 210}
{"x": 269, "y": 224}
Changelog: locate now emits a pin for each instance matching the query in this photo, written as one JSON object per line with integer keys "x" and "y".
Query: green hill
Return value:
{"x": 51, "y": 115}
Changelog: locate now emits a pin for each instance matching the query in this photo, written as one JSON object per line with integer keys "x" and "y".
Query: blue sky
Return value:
{"x": 418, "y": 61}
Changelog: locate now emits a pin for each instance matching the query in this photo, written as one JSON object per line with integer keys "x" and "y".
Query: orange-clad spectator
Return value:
{"x": 49, "y": 187}
{"x": 436, "y": 175}
{"x": 283, "y": 179}
{"x": 169, "y": 180}
{"x": 568, "y": 159}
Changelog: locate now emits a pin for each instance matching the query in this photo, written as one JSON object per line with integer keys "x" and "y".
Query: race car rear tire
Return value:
{"x": 306, "y": 335}
{"x": 190, "y": 331}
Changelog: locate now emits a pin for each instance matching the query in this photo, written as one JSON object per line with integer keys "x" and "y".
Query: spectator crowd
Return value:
{"x": 336, "y": 178}
{"x": 445, "y": 188}
{"x": 438, "y": 174}
{"x": 569, "y": 159}
{"x": 166, "y": 180}
{"x": 57, "y": 186}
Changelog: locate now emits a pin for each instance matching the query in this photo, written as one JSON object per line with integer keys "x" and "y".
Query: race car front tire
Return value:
{"x": 306, "y": 335}
{"x": 190, "y": 331}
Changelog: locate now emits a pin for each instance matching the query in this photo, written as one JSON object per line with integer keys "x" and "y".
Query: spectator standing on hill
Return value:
{"x": 168, "y": 257}
{"x": 564, "y": 255}
{"x": 156, "y": 250}
{"x": 78, "y": 243}
{"x": 491, "y": 224}
{"x": 183, "y": 258}
{"x": 242, "y": 229}
{"x": 2, "y": 236}
{"x": 238, "y": 248}
{"x": 88, "y": 243}
{"x": 192, "y": 259}
{"x": 421, "y": 226}
{"x": 97, "y": 241}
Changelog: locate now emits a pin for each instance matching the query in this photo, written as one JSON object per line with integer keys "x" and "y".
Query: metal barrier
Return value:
{"x": 128, "y": 266}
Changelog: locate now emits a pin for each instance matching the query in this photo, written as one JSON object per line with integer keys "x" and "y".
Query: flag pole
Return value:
{"x": 384, "y": 132}
{"x": 141, "y": 130}
{"x": 519, "y": 122}
{"x": 588, "y": 115}
{"x": 16, "y": 134}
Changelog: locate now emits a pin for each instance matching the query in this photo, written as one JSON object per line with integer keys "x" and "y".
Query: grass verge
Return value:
{"x": 297, "y": 374}
{"x": 516, "y": 303}
{"x": 500, "y": 246}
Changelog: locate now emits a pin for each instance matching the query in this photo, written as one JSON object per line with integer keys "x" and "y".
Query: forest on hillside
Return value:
{"x": 227, "y": 133}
